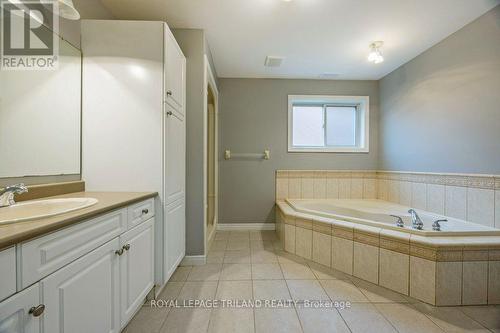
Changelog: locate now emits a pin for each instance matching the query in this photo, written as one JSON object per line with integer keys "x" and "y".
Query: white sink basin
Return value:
{"x": 31, "y": 210}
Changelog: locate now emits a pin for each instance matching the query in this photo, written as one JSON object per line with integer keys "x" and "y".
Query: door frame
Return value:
{"x": 209, "y": 80}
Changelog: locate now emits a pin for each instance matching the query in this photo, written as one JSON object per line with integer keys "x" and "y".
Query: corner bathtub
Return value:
{"x": 377, "y": 213}
{"x": 459, "y": 265}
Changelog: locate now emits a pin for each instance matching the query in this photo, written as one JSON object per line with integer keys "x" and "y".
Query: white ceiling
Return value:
{"x": 314, "y": 36}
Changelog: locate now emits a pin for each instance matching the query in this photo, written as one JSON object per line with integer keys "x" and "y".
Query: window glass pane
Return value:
{"x": 308, "y": 126}
{"x": 341, "y": 126}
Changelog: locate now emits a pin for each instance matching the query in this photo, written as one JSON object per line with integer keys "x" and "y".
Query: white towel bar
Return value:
{"x": 266, "y": 155}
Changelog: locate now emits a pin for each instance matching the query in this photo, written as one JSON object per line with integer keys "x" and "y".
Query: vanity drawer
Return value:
{"x": 44, "y": 255}
{"x": 7, "y": 272}
{"x": 140, "y": 212}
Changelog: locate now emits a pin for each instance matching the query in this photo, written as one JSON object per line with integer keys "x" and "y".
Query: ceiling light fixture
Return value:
{"x": 66, "y": 10}
{"x": 375, "y": 55}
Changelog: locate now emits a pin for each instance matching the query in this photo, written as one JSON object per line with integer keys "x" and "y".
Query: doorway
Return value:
{"x": 211, "y": 152}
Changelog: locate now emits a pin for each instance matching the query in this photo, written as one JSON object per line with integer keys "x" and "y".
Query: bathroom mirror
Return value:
{"x": 40, "y": 118}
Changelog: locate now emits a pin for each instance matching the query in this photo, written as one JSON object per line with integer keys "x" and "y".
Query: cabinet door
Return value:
{"x": 44, "y": 255}
{"x": 14, "y": 312}
{"x": 175, "y": 155}
{"x": 7, "y": 272}
{"x": 175, "y": 235}
{"x": 174, "y": 71}
{"x": 175, "y": 184}
{"x": 83, "y": 297}
{"x": 136, "y": 268}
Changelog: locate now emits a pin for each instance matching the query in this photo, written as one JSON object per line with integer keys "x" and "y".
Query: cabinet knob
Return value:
{"x": 169, "y": 93}
{"x": 145, "y": 211}
{"x": 119, "y": 252}
{"x": 126, "y": 247}
{"x": 37, "y": 311}
{"x": 169, "y": 113}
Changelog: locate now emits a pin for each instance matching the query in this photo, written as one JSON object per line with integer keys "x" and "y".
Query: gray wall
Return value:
{"x": 440, "y": 112}
{"x": 253, "y": 117}
{"x": 194, "y": 46}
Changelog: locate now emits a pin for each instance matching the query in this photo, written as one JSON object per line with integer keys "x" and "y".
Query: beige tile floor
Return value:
{"x": 253, "y": 266}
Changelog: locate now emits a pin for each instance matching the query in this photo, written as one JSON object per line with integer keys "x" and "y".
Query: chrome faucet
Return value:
{"x": 415, "y": 220}
{"x": 436, "y": 226}
{"x": 400, "y": 223}
{"x": 7, "y": 194}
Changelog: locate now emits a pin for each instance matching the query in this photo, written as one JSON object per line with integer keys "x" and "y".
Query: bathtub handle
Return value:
{"x": 399, "y": 222}
{"x": 436, "y": 226}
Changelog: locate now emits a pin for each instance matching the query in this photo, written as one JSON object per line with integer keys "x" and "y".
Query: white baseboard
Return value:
{"x": 245, "y": 226}
{"x": 194, "y": 260}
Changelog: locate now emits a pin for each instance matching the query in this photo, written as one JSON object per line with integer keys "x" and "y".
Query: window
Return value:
{"x": 328, "y": 123}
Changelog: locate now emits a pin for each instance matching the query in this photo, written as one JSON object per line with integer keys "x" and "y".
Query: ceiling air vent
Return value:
{"x": 273, "y": 61}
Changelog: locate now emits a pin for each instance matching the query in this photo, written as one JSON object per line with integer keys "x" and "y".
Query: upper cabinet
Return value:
{"x": 175, "y": 64}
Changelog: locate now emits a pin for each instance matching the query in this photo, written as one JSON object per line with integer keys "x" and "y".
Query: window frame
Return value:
{"x": 362, "y": 104}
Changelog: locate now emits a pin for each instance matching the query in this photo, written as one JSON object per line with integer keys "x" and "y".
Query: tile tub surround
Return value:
{"x": 469, "y": 197}
{"x": 442, "y": 271}
{"x": 326, "y": 184}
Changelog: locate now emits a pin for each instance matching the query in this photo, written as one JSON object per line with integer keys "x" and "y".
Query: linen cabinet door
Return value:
{"x": 174, "y": 71}
{"x": 175, "y": 193}
{"x": 175, "y": 155}
{"x": 21, "y": 313}
{"x": 136, "y": 268}
{"x": 175, "y": 227}
{"x": 84, "y": 296}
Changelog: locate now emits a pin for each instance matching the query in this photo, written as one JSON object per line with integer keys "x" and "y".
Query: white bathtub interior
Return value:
{"x": 378, "y": 213}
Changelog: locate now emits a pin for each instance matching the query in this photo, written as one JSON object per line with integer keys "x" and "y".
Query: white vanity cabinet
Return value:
{"x": 15, "y": 316}
{"x": 89, "y": 277}
{"x": 84, "y": 296}
{"x": 44, "y": 255}
{"x": 7, "y": 272}
{"x": 136, "y": 268}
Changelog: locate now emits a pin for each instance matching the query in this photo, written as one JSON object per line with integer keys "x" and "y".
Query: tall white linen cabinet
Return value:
{"x": 133, "y": 123}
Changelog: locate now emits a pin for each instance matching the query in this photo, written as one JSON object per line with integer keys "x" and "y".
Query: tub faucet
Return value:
{"x": 400, "y": 223}
{"x": 415, "y": 220}
{"x": 436, "y": 226}
{"x": 7, "y": 194}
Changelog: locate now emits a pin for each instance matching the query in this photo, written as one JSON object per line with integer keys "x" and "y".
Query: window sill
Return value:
{"x": 328, "y": 150}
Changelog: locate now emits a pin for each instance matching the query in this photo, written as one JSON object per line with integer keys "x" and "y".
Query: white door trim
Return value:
{"x": 209, "y": 80}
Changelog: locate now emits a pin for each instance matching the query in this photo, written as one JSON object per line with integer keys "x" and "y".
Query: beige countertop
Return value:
{"x": 11, "y": 234}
